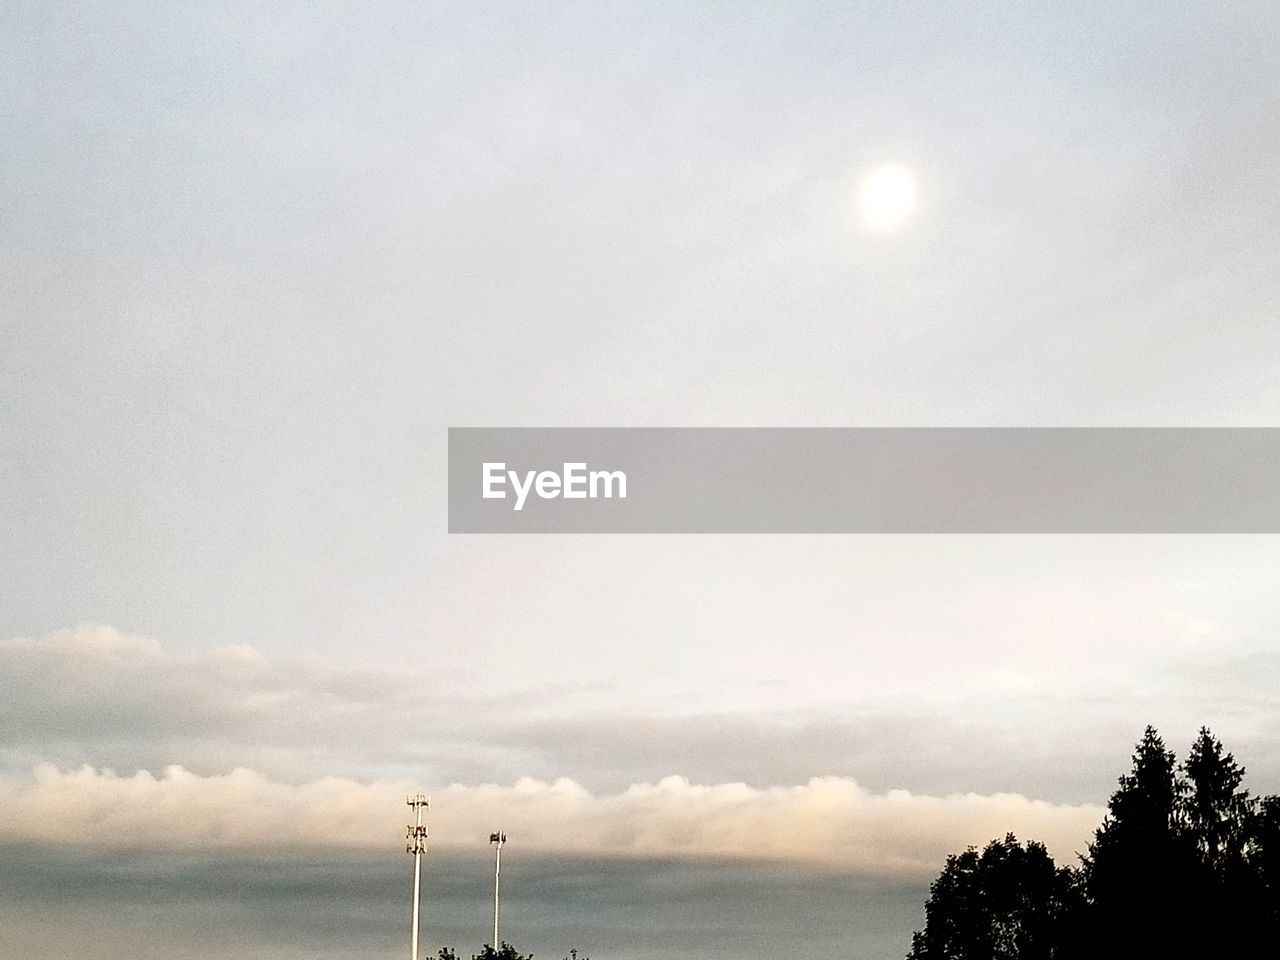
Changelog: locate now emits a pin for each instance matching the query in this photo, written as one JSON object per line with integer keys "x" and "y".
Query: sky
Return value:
{"x": 256, "y": 260}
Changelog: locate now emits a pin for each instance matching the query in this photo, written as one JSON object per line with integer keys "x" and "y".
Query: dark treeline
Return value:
{"x": 1186, "y": 864}
{"x": 504, "y": 952}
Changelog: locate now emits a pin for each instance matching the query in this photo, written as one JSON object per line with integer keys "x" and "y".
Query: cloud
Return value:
{"x": 96, "y": 696}
{"x": 828, "y": 821}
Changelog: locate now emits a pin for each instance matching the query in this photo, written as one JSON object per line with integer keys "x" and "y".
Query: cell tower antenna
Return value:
{"x": 417, "y": 846}
{"x": 498, "y": 838}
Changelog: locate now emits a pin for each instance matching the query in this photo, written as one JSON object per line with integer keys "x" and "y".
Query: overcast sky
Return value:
{"x": 254, "y": 261}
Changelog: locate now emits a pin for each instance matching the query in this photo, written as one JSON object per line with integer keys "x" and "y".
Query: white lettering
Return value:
{"x": 494, "y": 475}
{"x": 574, "y": 473}
{"x": 574, "y": 482}
{"x": 548, "y": 484}
{"x": 522, "y": 490}
{"x": 608, "y": 477}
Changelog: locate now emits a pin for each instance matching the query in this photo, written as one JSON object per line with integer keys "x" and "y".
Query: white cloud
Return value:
{"x": 828, "y": 821}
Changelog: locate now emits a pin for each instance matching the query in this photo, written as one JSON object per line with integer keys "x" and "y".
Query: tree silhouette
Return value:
{"x": 1264, "y": 861}
{"x": 487, "y": 952}
{"x": 1216, "y": 813}
{"x": 1186, "y": 864}
{"x": 505, "y": 952}
{"x": 1140, "y": 862}
{"x": 1220, "y": 820}
{"x": 1009, "y": 902}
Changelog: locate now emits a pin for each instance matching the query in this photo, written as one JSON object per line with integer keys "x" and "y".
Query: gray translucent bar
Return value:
{"x": 869, "y": 480}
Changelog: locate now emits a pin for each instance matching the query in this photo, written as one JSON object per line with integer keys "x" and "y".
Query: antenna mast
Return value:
{"x": 497, "y": 839}
{"x": 417, "y": 846}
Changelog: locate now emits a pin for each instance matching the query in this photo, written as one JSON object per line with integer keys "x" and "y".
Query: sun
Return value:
{"x": 886, "y": 197}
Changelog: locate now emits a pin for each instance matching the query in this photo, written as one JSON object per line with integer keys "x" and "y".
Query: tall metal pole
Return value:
{"x": 497, "y": 839}
{"x": 417, "y": 846}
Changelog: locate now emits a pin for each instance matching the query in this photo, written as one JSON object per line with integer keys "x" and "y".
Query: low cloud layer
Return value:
{"x": 99, "y": 697}
{"x": 236, "y": 752}
{"x": 828, "y": 821}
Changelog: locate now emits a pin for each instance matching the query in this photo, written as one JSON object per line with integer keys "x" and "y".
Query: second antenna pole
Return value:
{"x": 497, "y": 839}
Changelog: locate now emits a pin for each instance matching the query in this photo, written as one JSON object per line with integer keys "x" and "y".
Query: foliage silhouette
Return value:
{"x": 1186, "y": 864}
{"x": 505, "y": 952}
{"x": 1009, "y": 902}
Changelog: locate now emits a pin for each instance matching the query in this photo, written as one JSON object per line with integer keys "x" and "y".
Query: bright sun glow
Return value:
{"x": 886, "y": 197}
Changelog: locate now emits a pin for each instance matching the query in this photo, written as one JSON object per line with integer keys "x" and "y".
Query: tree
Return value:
{"x": 1219, "y": 821}
{"x": 1216, "y": 813}
{"x": 1140, "y": 864}
{"x": 1264, "y": 861}
{"x": 1185, "y": 865}
{"x": 1142, "y": 815}
{"x": 1009, "y": 903}
{"x": 505, "y": 952}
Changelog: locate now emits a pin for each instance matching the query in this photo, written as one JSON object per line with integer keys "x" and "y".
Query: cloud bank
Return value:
{"x": 828, "y": 821}
{"x": 99, "y": 697}
{"x": 227, "y": 750}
